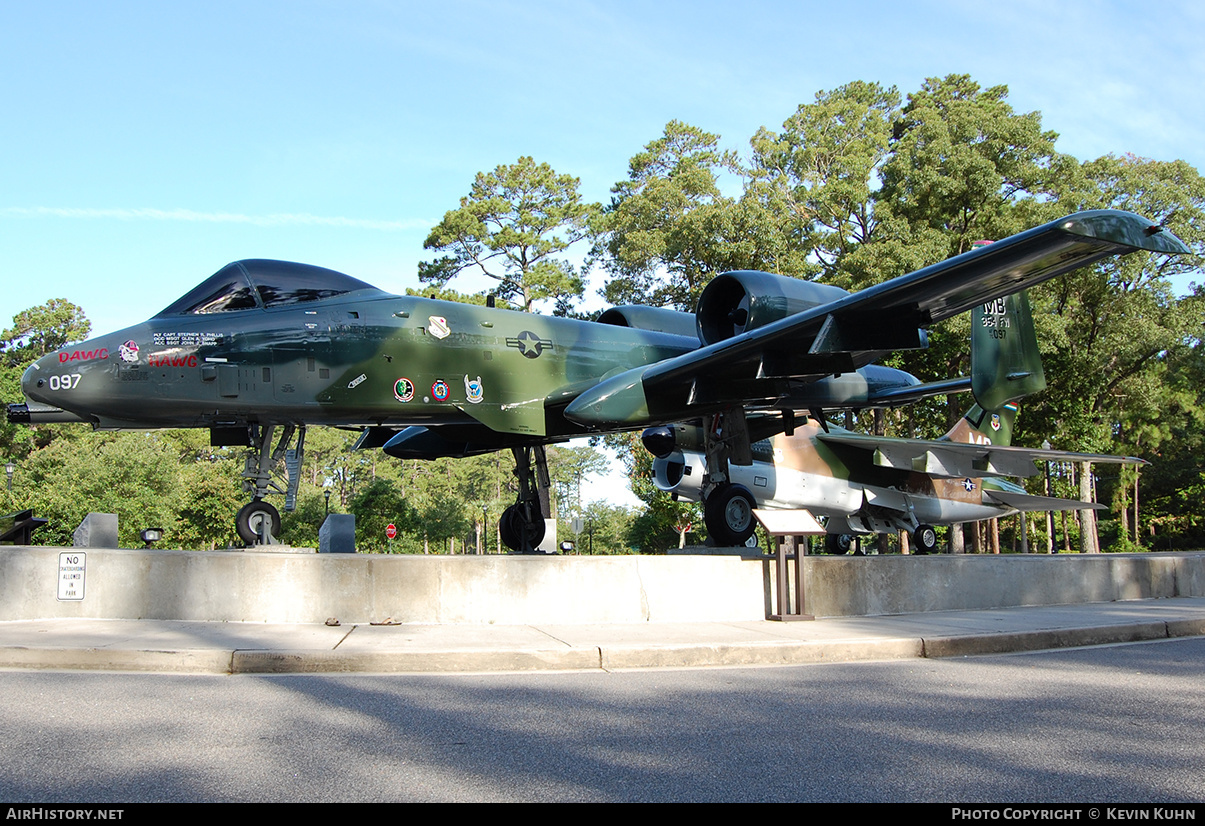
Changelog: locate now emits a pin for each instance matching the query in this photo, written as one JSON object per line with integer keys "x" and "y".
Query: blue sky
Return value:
{"x": 146, "y": 144}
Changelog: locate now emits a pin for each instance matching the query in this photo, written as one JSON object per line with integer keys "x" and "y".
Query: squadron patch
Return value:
{"x": 128, "y": 352}
{"x": 437, "y": 325}
{"x": 995, "y": 421}
{"x": 529, "y": 344}
{"x": 403, "y": 390}
{"x": 473, "y": 390}
{"x": 439, "y": 390}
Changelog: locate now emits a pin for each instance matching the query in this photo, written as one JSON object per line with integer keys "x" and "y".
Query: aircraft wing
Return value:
{"x": 959, "y": 460}
{"x": 852, "y": 331}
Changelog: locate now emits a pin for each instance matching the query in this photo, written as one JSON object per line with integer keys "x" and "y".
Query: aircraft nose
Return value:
{"x": 30, "y": 380}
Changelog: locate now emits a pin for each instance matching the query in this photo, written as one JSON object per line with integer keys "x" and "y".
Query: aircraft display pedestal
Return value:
{"x": 255, "y": 586}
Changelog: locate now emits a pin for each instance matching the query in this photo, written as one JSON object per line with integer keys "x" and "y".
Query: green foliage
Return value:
{"x": 448, "y": 294}
{"x": 210, "y": 492}
{"x": 656, "y": 527}
{"x": 513, "y": 226}
{"x": 35, "y": 332}
{"x": 605, "y": 529}
{"x": 669, "y": 228}
{"x": 43, "y": 329}
{"x": 377, "y": 506}
{"x": 568, "y": 467}
{"x": 817, "y": 177}
{"x": 134, "y": 475}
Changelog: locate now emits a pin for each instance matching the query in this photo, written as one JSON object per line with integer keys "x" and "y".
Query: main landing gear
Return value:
{"x": 521, "y": 527}
{"x": 728, "y": 514}
{"x": 925, "y": 539}
{"x": 727, "y": 507}
{"x": 837, "y": 543}
{"x": 258, "y": 523}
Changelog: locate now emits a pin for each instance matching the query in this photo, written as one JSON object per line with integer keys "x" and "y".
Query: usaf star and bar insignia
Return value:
{"x": 529, "y": 344}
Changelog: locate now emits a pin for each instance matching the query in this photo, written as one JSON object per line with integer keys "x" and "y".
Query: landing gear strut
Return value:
{"x": 258, "y": 523}
{"x": 521, "y": 527}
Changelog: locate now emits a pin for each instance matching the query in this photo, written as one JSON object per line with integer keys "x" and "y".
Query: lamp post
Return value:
{"x": 8, "y": 469}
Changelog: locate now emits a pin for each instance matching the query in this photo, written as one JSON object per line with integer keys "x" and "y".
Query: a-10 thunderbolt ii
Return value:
{"x": 875, "y": 484}
{"x": 263, "y": 349}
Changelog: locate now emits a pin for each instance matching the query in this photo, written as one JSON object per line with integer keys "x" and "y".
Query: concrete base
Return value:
{"x": 337, "y": 534}
{"x": 524, "y": 590}
{"x": 98, "y": 530}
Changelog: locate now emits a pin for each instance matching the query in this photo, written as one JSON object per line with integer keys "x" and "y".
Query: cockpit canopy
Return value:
{"x": 260, "y": 283}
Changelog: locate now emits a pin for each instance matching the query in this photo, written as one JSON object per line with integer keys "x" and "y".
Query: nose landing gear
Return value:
{"x": 258, "y": 523}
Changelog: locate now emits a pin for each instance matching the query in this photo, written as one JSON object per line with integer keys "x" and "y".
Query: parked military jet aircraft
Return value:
{"x": 263, "y": 345}
{"x": 876, "y": 484}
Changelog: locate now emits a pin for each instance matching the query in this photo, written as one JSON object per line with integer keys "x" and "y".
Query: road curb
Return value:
{"x": 586, "y": 655}
{"x": 203, "y": 661}
{"x": 392, "y": 662}
{"x": 1043, "y": 639}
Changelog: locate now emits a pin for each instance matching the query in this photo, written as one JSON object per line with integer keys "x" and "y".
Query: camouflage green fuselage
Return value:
{"x": 360, "y": 360}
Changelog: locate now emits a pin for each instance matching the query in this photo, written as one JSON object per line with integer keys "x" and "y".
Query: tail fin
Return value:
{"x": 1005, "y": 366}
{"x": 1005, "y": 362}
{"x": 982, "y": 427}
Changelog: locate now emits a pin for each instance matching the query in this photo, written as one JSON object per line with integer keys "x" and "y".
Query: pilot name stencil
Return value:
{"x": 190, "y": 338}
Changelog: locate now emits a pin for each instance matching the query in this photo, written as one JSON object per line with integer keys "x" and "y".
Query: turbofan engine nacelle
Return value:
{"x": 658, "y": 319}
{"x": 680, "y": 473}
{"x": 735, "y": 302}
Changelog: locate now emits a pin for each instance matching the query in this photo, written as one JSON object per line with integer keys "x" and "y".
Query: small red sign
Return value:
{"x": 391, "y": 530}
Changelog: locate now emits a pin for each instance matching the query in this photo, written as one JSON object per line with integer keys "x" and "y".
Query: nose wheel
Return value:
{"x": 258, "y": 523}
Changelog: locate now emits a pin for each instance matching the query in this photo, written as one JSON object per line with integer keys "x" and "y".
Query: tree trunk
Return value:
{"x": 1087, "y": 532}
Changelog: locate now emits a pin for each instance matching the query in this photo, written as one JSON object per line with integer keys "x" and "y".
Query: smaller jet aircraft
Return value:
{"x": 874, "y": 484}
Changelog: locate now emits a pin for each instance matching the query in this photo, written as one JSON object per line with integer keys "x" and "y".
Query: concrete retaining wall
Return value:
{"x": 847, "y": 586}
{"x": 282, "y": 587}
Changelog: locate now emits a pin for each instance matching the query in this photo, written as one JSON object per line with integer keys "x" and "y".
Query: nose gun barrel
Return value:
{"x": 38, "y": 413}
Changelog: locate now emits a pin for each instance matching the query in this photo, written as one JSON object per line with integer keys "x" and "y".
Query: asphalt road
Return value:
{"x": 1114, "y": 724}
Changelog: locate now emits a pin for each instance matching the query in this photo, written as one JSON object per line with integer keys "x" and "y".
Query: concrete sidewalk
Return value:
{"x": 246, "y": 648}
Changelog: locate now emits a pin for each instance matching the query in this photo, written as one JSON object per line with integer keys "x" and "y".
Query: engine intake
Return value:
{"x": 736, "y": 302}
{"x": 681, "y": 473}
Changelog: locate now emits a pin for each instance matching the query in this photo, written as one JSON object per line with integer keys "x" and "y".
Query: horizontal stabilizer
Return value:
{"x": 960, "y": 459}
{"x": 908, "y": 395}
{"x": 1025, "y": 502}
